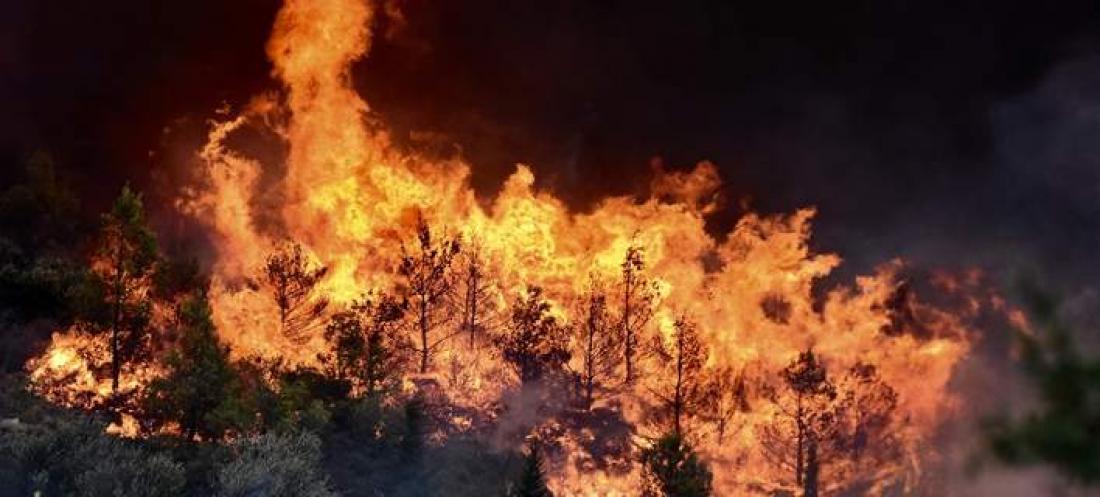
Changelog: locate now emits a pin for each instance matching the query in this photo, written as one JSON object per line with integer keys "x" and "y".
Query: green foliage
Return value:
{"x": 274, "y": 465}
{"x": 1064, "y": 429}
{"x": 672, "y": 469}
{"x": 532, "y": 479}
{"x": 41, "y": 213}
{"x": 368, "y": 345}
{"x": 72, "y": 456}
{"x": 126, "y": 256}
{"x": 200, "y": 389}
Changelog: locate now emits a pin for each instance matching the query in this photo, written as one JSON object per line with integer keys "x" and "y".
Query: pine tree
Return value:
{"x": 199, "y": 390}
{"x": 684, "y": 355}
{"x": 532, "y": 479}
{"x": 473, "y": 297}
{"x": 125, "y": 260}
{"x": 427, "y": 281}
{"x": 639, "y": 294}
{"x": 292, "y": 278}
{"x": 807, "y": 406}
{"x": 367, "y": 346}
{"x": 670, "y": 468}
{"x": 535, "y": 344}
{"x": 596, "y": 342}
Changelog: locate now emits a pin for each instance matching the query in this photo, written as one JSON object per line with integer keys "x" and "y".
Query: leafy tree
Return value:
{"x": 427, "y": 281}
{"x": 670, "y": 468}
{"x": 367, "y": 345}
{"x": 1062, "y": 431}
{"x": 532, "y": 479}
{"x": 597, "y": 342}
{"x": 125, "y": 260}
{"x": 684, "y": 355}
{"x": 293, "y": 278}
{"x": 199, "y": 390}
{"x": 534, "y": 343}
{"x": 639, "y": 295}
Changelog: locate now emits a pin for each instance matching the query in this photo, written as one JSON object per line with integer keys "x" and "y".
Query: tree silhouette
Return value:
{"x": 473, "y": 296}
{"x": 367, "y": 345}
{"x": 844, "y": 423}
{"x": 805, "y": 418}
{"x": 293, "y": 279}
{"x": 427, "y": 281}
{"x": 726, "y": 395}
{"x": 596, "y": 341}
{"x": 638, "y": 297}
{"x": 532, "y": 478}
{"x": 670, "y": 468}
{"x": 684, "y": 355}
{"x": 199, "y": 389}
{"x": 534, "y": 343}
{"x": 125, "y": 259}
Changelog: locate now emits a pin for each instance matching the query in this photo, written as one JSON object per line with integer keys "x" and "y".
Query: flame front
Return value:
{"x": 350, "y": 198}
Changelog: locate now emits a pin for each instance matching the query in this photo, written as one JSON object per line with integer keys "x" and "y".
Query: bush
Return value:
{"x": 68, "y": 456}
{"x": 275, "y": 465}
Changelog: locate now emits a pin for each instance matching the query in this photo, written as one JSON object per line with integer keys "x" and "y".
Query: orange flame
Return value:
{"x": 350, "y": 198}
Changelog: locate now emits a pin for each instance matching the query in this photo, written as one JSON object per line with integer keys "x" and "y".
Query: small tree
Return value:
{"x": 473, "y": 296}
{"x": 199, "y": 390}
{"x": 684, "y": 355}
{"x": 367, "y": 345}
{"x": 670, "y": 468}
{"x": 596, "y": 342}
{"x": 126, "y": 257}
{"x": 806, "y": 417}
{"x": 427, "y": 280}
{"x": 532, "y": 478}
{"x": 534, "y": 343}
{"x": 293, "y": 279}
{"x": 726, "y": 395}
{"x": 638, "y": 294}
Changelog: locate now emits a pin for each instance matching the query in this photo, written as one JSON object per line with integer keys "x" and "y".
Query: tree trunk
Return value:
{"x": 809, "y": 485}
{"x": 423, "y": 337}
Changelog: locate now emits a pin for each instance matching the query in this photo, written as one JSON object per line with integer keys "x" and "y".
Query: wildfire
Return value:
{"x": 351, "y": 200}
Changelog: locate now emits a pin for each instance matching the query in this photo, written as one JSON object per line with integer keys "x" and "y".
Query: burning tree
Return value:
{"x": 597, "y": 341}
{"x": 367, "y": 344}
{"x": 126, "y": 257}
{"x": 727, "y": 395}
{"x": 638, "y": 298}
{"x": 473, "y": 296}
{"x": 683, "y": 354}
{"x": 293, "y": 279}
{"x": 842, "y": 424}
{"x": 534, "y": 344}
{"x": 805, "y": 418}
{"x": 427, "y": 278}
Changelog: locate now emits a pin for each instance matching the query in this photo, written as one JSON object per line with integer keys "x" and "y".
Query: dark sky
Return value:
{"x": 958, "y": 133}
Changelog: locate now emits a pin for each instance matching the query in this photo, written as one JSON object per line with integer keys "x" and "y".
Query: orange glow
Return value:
{"x": 350, "y": 199}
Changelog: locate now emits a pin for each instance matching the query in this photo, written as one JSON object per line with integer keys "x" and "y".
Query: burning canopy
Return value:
{"x": 349, "y": 207}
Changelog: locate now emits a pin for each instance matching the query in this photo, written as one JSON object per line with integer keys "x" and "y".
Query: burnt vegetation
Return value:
{"x": 211, "y": 422}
